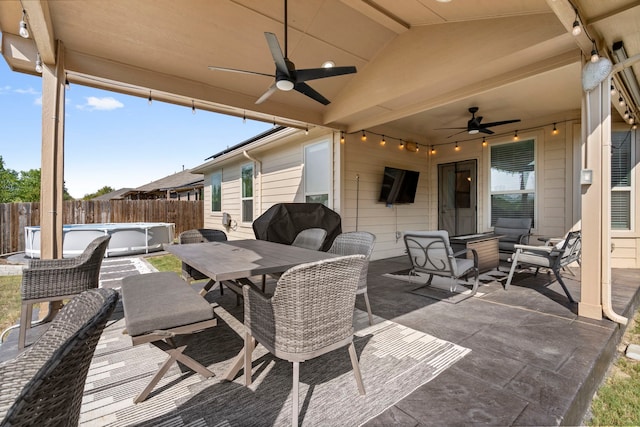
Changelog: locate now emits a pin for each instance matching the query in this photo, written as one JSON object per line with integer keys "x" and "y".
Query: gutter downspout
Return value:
{"x": 605, "y": 177}
{"x": 253, "y": 159}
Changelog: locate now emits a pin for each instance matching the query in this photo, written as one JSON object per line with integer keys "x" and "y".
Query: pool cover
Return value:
{"x": 282, "y": 222}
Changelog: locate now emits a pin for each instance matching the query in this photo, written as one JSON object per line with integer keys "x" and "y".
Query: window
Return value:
{"x": 247, "y": 192}
{"x": 513, "y": 180}
{"x": 216, "y": 192}
{"x": 317, "y": 173}
{"x": 621, "y": 191}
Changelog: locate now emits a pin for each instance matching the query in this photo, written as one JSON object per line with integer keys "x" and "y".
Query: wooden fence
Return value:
{"x": 15, "y": 216}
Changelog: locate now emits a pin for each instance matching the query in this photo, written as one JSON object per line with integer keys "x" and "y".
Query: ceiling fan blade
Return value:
{"x": 450, "y": 128}
{"x": 321, "y": 73}
{"x": 233, "y": 70}
{"x": 487, "y": 131}
{"x": 311, "y": 93}
{"x": 267, "y": 94}
{"x": 276, "y": 53}
{"x": 504, "y": 122}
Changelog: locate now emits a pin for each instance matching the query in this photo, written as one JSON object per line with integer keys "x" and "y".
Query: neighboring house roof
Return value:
{"x": 177, "y": 182}
{"x": 275, "y": 134}
{"x": 117, "y": 194}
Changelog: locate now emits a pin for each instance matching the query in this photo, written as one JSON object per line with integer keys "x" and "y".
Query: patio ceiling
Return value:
{"x": 421, "y": 63}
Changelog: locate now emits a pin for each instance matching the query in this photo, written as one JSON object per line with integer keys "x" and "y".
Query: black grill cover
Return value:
{"x": 282, "y": 222}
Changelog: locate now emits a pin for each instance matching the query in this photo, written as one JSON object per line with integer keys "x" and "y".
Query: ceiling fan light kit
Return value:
{"x": 286, "y": 76}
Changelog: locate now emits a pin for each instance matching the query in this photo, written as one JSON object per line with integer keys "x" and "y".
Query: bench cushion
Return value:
{"x": 160, "y": 301}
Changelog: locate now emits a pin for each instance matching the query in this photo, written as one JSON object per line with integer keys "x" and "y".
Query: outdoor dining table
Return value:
{"x": 233, "y": 262}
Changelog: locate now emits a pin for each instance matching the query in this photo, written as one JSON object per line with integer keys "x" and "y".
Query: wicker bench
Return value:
{"x": 159, "y": 307}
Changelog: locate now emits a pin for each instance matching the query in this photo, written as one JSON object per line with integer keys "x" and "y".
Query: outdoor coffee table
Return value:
{"x": 485, "y": 244}
{"x": 233, "y": 262}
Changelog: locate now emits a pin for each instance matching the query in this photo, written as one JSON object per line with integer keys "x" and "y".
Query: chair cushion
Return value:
{"x": 537, "y": 258}
{"x": 158, "y": 301}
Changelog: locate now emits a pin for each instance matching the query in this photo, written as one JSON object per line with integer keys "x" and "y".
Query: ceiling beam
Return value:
{"x": 41, "y": 29}
{"x": 379, "y": 15}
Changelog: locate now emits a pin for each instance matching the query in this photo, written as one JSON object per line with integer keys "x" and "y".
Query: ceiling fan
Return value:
{"x": 474, "y": 125}
{"x": 286, "y": 76}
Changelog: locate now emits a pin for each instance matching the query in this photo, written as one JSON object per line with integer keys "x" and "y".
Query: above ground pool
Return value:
{"x": 126, "y": 238}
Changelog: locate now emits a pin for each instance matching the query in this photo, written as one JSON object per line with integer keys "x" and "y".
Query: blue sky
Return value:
{"x": 112, "y": 139}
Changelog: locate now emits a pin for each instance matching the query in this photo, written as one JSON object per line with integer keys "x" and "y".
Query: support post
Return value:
{"x": 52, "y": 162}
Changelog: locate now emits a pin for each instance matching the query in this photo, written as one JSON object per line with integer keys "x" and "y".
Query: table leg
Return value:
{"x": 238, "y": 364}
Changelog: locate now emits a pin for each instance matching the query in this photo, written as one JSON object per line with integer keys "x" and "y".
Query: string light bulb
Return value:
{"x": 457, "y": 147}
{"x": 626, "y": 114}
{"x": 38, "y": 63}
{"x": 634, "y": 127}
{"x": 24, "y": 31}
{"x": 433, "y": 150}
{"x": 306, "y": 130}
{"x": 341, "y": 137}
{"x": 594, "y": 53}
{"x": 515, "y": 136}
{"x": 193, "y": 107}
{"x": 244, "y": 117}
{"x": 621, "y": 101}
{"x": 576, "y": 30}
{"x": 67, "y": 85}
{"x": 484, "y": 141}
{"x": 631, "y": 120}
{"x": 555, "y": 130}
{"x": 417, "y": 148}
{"x": 363, "y": 138}
{"x": 150, "y": 99}
{"x": 383, "y": 141}
{"x": 614, "y": 92}
{"x": 401, "y": 146}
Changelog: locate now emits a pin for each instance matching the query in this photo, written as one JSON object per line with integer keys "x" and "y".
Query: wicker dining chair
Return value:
{"x": 357, "y": 242}
{"x": 311, "y": 238}
{"x": 47, "y": 280}
{"x": 310, "y": 314}
{"x": 200, "y": 235}
{"x": 44, "y": 384}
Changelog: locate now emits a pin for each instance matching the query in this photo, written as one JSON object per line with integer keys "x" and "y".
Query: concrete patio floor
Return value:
{"x": 533, "y": 361}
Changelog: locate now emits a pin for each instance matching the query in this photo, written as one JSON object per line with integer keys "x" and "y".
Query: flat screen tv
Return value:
{"x": 398, "y": 186}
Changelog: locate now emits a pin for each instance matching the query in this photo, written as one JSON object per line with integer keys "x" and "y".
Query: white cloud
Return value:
{"x": 29, "y": 91}
{"x": 37, "y": 101}
{"x": 103, "y": 104}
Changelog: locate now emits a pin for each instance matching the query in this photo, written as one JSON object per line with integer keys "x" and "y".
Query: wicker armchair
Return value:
{"x": 44, "y": 384}
{"x": 200, "y": 235}
{"x": 311, "y": 238}
{"x": 357, "y": 242}
{"x": 47, "y": 280}
{"x": 310, "y": 314}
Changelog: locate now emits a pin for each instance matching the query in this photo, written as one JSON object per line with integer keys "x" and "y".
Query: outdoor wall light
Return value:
{"x": 24, "y": 32}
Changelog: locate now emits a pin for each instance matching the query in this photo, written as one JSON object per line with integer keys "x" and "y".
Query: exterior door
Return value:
{"x": 457, "y": 197}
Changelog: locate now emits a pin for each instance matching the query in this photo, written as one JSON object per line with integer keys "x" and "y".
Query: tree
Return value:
{"x": 8, "y": 183}
{"x": 22, "y": 186}
{"x": 104, "y": 190}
